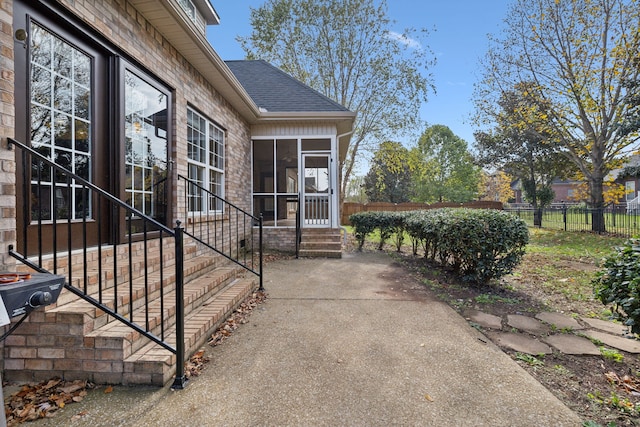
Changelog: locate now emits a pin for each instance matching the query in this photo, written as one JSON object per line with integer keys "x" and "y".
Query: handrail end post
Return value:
{"x": 181, "y": 379}
{"x": 261, "y": 288}
{"x": 180, "y": 382}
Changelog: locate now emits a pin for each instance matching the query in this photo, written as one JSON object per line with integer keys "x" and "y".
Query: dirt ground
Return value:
{"x": 601, "y": 390}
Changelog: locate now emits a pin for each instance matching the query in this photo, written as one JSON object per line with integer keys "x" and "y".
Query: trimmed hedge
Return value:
{"x": 479, "y": 245}
{"x": 618, "y": 284}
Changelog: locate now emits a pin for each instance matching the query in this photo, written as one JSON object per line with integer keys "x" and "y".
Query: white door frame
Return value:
{"x": 317, "y": 206}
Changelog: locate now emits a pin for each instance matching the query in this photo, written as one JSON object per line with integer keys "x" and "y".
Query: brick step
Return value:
{"x": 307, "y": 253}
{"x": 79, "y": 259}
{"x": 196, "y": 292}
{"x": 193, "y": 265}
{"x": 154, "y": 365}
{"x": 321, "y": 232}
{"x": 78, "y": 341}
{"x": 321, "y": 238}
{"x": 321, "y": 245}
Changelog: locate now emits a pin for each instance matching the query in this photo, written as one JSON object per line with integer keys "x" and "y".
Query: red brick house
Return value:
{"x": 137, "y": 164}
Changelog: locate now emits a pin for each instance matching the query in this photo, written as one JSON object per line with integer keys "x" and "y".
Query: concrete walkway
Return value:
{"x": 345, "y": 342}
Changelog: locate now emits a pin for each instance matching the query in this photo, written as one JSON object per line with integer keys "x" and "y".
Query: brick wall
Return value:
{"x": 280, "y": 239}
{"x": 7, "y": 119}
{"x": 38, "y": 352}
{"x": 124, "y": 26}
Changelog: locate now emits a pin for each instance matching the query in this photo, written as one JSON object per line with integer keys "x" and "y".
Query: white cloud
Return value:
{"x": 409, "y": 42}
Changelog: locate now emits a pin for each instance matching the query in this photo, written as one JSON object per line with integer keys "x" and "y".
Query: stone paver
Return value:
{"x": 603, "y": 325}
{"x": 521, "y": 343}
{"x": 528, "y": 324}
{"x": 572, "y": 344}
{"x": 484, "y": 319}
{"x": 619, "y": 342}
{"x": 610, "y": 333}
{"x": 559, "y": 320}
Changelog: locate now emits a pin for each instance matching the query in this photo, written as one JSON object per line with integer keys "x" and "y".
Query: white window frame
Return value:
{"x": 630, "y": 190}
{"x": 209, "y": 160}
{"x": 193, "y": 13}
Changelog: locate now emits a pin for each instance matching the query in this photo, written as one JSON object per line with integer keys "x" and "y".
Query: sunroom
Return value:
{"x": 297, "y": 145}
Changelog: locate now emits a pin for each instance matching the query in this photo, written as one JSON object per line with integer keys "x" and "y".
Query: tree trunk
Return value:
{"x": 597, "y": 203}
{"x": 537, "y": 216}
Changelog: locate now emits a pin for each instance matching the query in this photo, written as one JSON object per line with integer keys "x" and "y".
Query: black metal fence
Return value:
{"x": 615, "y": 219}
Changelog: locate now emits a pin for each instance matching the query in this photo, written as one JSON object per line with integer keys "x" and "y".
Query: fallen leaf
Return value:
{"x": 109, "y": 389}
{"x": 428, "y": 397}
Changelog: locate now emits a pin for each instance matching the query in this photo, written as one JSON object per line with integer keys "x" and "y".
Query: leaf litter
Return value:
{"x": 239, "y": 317}
{"x": 42, "y": 400}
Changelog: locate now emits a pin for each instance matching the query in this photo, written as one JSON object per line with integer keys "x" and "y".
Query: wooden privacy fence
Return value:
{"x": 349, "y": 208}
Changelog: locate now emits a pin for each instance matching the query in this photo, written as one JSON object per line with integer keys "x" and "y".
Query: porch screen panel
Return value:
{"x": 264, "y": 180}
{"x": 60, "y": 125}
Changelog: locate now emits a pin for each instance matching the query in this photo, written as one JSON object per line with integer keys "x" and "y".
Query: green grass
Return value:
{"x": 492, "y": 299}
{"x": 618, "y": 222}
{"x": 571, "y": 244}
{"x": 611, "y": 354}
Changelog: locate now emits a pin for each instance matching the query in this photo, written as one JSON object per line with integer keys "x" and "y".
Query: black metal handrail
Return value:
{"x": 298, "y": 222}
{"x": 94, "y": 202}
{"x": 223, "y": 227}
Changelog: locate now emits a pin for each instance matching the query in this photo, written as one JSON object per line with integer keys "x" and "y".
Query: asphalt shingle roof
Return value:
{"x": 276, "y": 91}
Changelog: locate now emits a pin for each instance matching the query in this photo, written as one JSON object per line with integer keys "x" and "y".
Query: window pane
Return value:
{"x": 40, "y": 202}
{"x": 146, "y": 141}
{"x": 41, "y": 41}
{"x": 205, "y": 150}
{"x": 60, "y": 125}
{"x": 62, "y": 96}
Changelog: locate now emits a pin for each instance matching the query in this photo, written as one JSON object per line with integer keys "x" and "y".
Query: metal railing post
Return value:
{"x": 181, "y": 379}
{"x": 261, "y": 288}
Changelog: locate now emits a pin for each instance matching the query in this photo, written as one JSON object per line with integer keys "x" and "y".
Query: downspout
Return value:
{"x": 340, "y": 226}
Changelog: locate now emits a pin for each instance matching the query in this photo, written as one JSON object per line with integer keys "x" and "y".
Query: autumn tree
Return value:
{"x": 522, "y": 142}
{"x": 579, "y": 55}
{"x": 346, "y": 50}
{"x": 390, "y": 177}
{"x": 495, "y": 187}
{"x": 445, "y": 168}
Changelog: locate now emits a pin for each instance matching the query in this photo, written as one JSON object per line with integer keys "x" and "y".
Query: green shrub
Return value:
{"x": 484, "y": 244}
{"x": 479, "y": 245}
{"x": 388, "y": 224}
{"x": 363, "y": 224}
{"x": 618, "y": 283}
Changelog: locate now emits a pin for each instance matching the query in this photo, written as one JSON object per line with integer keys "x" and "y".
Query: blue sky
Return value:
{"x": 458, "y": 42}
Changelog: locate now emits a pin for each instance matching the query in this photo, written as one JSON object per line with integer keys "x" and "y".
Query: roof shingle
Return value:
{"x": 275, "y": 91}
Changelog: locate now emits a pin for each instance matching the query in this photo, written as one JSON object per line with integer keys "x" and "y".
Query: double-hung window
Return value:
{"x": 205, "y": 162}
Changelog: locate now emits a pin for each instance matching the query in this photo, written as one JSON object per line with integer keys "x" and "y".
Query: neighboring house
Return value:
{"x": 564, "y": 191}
{"x": 129, "y": 96}
{"x": 629, "y": 176}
